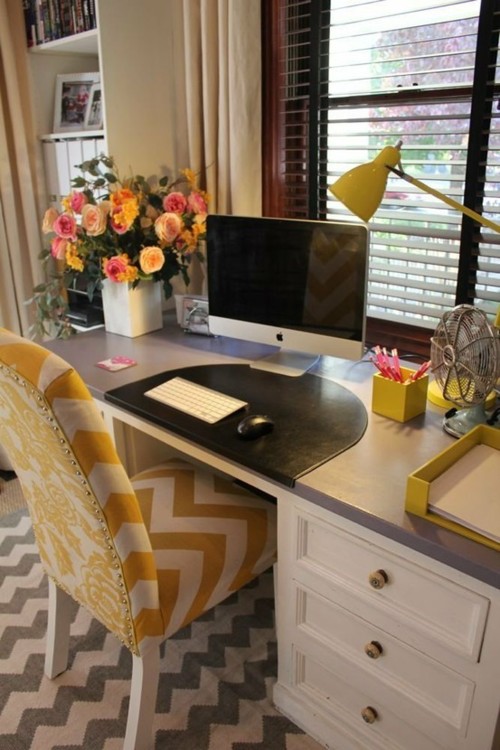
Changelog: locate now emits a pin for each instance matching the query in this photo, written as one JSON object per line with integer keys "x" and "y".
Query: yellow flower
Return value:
{"x": 72, "y": 258}
{"x": 130, "y": 273}
{"x": 198, "y": 229}
{"x": 189, "y": 240}
{"x": 66, "y": 203}
{"x": 190, "y": 177}
{"x": 123, "y": 217}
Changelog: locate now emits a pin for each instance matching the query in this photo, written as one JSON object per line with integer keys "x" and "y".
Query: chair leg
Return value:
{"x": 143, "y": 690}
{"x": 275, "y": 582}
{"x": 59, "y": 621}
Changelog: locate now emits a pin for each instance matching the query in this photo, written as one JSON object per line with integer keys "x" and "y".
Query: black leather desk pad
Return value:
{"x": 314, "y": 418}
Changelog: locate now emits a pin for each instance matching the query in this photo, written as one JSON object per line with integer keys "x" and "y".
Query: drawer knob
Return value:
{"x": 378, "y": 579}
{"x": 373, "y": 649}
{"x": 369, "y": 714}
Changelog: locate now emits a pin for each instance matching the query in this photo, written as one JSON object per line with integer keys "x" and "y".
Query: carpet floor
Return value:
{"x": 11, "y": 495}
{"x": 216, "y": 680}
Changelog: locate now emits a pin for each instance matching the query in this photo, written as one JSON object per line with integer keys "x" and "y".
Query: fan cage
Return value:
{"x": 465, "y": 356}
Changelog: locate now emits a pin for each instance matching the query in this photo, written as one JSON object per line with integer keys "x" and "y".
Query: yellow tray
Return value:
{"x": 419, "y": 482}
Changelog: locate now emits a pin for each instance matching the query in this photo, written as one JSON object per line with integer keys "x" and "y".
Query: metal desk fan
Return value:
{"x": 465, "y": 360}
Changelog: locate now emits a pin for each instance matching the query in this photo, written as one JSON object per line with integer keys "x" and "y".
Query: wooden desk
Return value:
{"x": 437, "y": 683}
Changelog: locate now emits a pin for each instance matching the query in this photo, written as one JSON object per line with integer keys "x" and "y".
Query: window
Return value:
{"x": 344, "y": 78}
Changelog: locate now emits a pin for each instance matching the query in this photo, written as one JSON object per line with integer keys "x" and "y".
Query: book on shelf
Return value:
{"x": 49, "y": 20}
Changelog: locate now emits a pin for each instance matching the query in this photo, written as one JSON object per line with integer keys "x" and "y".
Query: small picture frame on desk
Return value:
{"x": 195, "y": 315}
{"x": 72, "y": 99}
{"x": 93, "y": 117}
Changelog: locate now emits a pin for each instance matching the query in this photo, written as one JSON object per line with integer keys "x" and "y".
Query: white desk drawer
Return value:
{"x": 427, "y": 606}
{"x": 422, "y": 689}
{"x": 335, "y": 695}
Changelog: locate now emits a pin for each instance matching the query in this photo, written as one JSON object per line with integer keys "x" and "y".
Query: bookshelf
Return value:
{"x": 55, "y": 48}
{"x": 47, "y": 21}
{"x": 139, "y": 75}
{"x": 84, "y": 43}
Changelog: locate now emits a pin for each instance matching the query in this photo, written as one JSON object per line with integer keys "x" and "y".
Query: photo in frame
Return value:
{"x": 93, "y": 117}
{"x": 195, "y": 315}
{"x": 72, "y": 100}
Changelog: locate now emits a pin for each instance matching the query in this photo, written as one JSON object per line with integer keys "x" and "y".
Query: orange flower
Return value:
{"x": 94, "y": 218}
{"x": 49, "y": 218}
{"x": 168, "y": 227}
{"x": 151, "y": 259}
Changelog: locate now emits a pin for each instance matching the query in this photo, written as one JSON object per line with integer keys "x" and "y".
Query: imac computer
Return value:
{"x": 296, "y": 284}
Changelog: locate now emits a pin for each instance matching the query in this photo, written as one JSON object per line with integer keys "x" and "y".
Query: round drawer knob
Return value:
{"x": 378, "y": 579}
{"x": 373, "y": 649}
{"x": 369, "y": 714}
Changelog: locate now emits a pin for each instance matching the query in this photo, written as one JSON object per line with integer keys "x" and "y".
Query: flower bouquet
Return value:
{"x": 124, "y": 230}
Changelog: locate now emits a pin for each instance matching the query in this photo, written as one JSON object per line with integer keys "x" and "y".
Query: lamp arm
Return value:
{"x": 454, "y": 204}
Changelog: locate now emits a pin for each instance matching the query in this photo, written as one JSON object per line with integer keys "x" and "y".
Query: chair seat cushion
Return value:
{"x": 209, "y": 537}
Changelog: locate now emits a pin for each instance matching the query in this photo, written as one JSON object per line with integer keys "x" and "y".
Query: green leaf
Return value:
{"x": 167, "y": 288}
{"x": 39, "y": 288}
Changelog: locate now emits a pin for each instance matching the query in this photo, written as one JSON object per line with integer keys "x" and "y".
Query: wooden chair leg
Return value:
{"x": 59, "y": 621}
{"x": 275, "y": 582}
{"x": 143, "y": 690}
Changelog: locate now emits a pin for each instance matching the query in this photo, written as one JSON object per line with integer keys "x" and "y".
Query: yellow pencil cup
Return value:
{"x": 399, "y": 401}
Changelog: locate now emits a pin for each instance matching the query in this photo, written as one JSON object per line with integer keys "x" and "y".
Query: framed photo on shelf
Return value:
{"x": 72, "y": 100}
{"x": 93, "y": 116}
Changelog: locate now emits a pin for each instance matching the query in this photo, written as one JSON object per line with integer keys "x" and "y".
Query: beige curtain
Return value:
{"x": 20, "y": 174}
{"x": 218, "y": 99}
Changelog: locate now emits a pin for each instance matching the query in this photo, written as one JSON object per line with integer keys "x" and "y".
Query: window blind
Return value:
{"x": 355, "y": 76}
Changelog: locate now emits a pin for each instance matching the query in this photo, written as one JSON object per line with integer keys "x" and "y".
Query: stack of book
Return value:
{"x": 48, "y": 20}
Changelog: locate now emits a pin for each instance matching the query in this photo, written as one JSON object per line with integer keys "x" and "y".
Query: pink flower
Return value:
{"x": 65, "y": 226}
{"x": 151, "y": 259}
{"x": 58, "y": 248}
{"x": 77, "y": 201}
{"x": 94, "y": 218}
{"x": 174, "y": 203}
{"x": 115, "y": 268}
{"x": 168, "y": 227}
{"x": 49, "y": 218}
{"x": 197, "y": 203}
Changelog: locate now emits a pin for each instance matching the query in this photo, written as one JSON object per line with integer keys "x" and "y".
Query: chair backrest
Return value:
{"x": 86, "y": 518}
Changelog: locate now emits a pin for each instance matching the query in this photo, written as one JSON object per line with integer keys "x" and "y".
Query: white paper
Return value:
{"x": 469, "y": 492}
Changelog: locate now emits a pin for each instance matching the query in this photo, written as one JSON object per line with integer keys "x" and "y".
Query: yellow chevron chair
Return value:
{"x": 145, "y": 555}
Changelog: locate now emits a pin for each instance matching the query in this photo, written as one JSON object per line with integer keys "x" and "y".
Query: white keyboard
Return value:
{"x": 196, "y": 400}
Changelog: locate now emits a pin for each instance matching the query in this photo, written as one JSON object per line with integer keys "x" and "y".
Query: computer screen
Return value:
{"x": 296, "y": 284}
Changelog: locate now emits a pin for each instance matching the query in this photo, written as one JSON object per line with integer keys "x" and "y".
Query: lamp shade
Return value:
{"x": 361, "y": 189}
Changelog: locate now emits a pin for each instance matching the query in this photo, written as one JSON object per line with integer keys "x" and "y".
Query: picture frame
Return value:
{"x": 94, "y": 116}
{"x": 71, "y": 102}
{"x": 195, "y": 315}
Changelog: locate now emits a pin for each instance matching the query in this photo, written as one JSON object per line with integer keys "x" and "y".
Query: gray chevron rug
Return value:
{"x": 215, "y": 686}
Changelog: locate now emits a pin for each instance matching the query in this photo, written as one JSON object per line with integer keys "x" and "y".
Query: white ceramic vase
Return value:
{"x": 132, "y": 312}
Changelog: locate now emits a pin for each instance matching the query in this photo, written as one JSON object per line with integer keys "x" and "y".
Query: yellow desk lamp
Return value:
{"x": 361, "y": 189}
